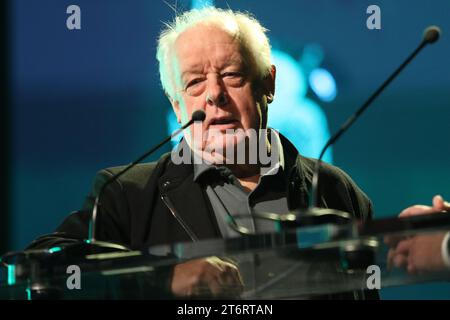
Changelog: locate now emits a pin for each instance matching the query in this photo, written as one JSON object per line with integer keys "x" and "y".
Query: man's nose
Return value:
{"x": 216, "y": 93}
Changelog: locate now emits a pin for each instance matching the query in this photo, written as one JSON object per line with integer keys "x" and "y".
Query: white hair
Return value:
{"x": 241, "y": 26}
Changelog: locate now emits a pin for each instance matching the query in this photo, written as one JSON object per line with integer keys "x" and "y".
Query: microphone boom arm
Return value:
{"x": 198, "y": 115}
{"x": 431, "y": 35}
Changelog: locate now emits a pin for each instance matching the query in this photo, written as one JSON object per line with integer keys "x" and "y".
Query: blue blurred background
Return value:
{"x": 82, "y": 100}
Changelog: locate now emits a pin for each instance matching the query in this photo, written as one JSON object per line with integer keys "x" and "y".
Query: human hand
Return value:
{"x": 206, "y": 277}
{"x": 421, "y": 253}
{"x": 418, "y": 254}
{"x": 439, "y": 204}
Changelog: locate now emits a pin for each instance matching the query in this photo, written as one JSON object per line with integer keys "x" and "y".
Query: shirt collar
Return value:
{"x": 201, "y": 168}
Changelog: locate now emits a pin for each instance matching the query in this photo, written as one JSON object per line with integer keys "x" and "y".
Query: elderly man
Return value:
{"x": 218, "y": 61}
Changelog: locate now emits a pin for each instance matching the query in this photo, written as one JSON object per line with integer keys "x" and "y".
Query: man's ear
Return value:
{"x": 175, "y": 106}
{"x": 269, "y": 84}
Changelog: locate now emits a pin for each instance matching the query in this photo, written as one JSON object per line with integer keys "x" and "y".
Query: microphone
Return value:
{"x": 198, "y": 115}
{"x": 430, "y": 36}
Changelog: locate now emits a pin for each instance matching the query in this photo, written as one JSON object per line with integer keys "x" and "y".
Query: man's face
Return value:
{"x": 212, "y": 74}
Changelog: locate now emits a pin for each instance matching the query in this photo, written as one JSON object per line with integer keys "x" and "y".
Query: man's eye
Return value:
{"x": 234, "y": 79}
{"x": 232, "y": 75}
{"x": 194, "y": 82}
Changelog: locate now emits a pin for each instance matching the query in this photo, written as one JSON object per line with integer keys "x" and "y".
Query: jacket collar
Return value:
{"x": 193, "y": 206}
{"x": 297, "y": 188}
{"x": 188, "y": 199}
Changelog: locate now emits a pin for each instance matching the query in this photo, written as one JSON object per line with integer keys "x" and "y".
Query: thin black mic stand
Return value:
{"x": 313, "y": 214}
{"x": 431, "y": 35}
{"x": 198, "y": 115}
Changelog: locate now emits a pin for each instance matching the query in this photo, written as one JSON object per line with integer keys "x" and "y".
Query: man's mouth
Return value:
{"x": 223, "y": 123}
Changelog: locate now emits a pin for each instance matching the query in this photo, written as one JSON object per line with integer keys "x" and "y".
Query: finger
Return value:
{"x": 416, "y": 210}
{"x": 232, "y": 288}
{"x": 400, "y": 261}
{"x": 231, "y": 276}
{"x": 208, "y": 285}
{"x": 393, "y": 240}
{"x": 411, "y": 267}
{"x": 234, "y": 270}
{"x": 234, "y": 277}
{"x": 390, "y": 258}
{"x": 202, "y": 291}
{"x": 216, "y": 286}
{"x": 216, "y": 262}
{"x": 439, "y": 204}
{"x": 403, "y": 246}
{"x": 229, "y": 288}
{"x": 204, "y": 282}
{"x": 230, "y": 280}
{"x": 214, "y": 280}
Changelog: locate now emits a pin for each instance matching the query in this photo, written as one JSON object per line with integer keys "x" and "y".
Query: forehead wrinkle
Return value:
{"x": 199, "y": 68}
{"x": 216, "y": 59}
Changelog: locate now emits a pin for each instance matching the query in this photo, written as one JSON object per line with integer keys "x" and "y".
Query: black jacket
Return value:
{"x": 151, "y": 202}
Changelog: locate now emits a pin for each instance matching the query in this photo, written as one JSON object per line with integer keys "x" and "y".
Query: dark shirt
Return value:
{"x": 233, "y": 206}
